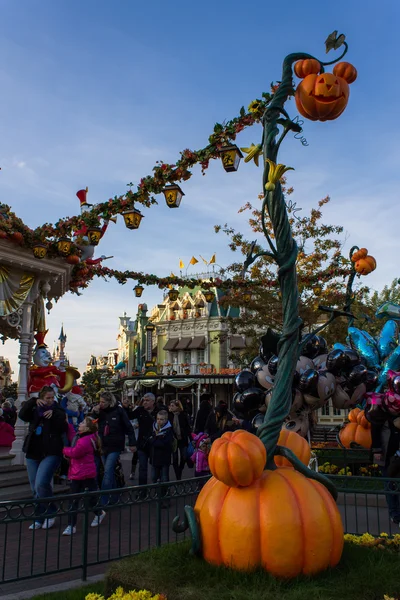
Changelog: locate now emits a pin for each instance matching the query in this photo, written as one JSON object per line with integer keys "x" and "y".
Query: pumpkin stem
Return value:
{"x": 301, "y": 468}
{"x": 189, "y": 522}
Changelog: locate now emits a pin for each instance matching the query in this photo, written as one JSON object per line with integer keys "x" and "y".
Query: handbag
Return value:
{"x": 189, "y": 450}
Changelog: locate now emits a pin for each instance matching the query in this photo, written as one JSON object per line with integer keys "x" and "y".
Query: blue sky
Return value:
{"x": 93, "y": 92}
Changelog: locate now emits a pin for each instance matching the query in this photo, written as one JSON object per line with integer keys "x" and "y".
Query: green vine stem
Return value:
{"x": 286, "y": 256}
{"x": 189, "y": 522}
{"x": 349, "y": 290}
{"x": 301, "y": 468}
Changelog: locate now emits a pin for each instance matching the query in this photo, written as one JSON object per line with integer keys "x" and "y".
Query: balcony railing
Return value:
{"x": 192, "y": 369}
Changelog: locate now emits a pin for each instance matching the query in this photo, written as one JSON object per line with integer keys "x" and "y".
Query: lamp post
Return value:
{"x": 324, "y": 105}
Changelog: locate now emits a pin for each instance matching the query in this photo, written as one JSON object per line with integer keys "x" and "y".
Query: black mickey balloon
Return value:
{"x": 396, "y": 384}
{"x": 308, "y": 382}
{"x": 245, "y": 380}
{"x": 371, "y": 380}
{"x": 256, "y": 364}
{"x": 322, "y": 346}
{"x": 357, "y": 375}
{"x": 352, "y": 359}
{"x": 336, "y": 361}
{"x": 273, "y": 365}
{"x": 237, "y": 403}
{"x": 252, "y": 398}
{"x": 311, "y": 347}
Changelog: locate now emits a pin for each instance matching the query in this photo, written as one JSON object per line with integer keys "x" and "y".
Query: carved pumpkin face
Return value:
{"x": 322, "y": 97}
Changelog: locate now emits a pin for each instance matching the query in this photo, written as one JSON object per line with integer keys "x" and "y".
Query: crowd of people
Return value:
{"x": 85, "y": 441}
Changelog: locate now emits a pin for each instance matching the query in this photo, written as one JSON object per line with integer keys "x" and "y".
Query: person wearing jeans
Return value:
{"x": 43, "y": 447}
{"x": 114, "y": 425}
{"x": 161, "y": 443}
{"x": 385, "y": 444}
{"x": 145, "y": 414}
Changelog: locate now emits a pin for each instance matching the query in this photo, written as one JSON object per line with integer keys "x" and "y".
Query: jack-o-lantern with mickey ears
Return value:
{"x": 323, "y": 96}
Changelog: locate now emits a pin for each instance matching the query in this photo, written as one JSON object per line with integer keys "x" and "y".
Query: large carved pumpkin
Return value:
{"x": 297, "y": 444}
{"x": 283, "y": 522}
{"x": 237, "y": 458}
{"x": 323, "y": 97}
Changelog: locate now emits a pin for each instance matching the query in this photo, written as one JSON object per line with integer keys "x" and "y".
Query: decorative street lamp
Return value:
{"x": 39, "y": 250}
{"x": 94, "y": 235}
{"x": 173, "y": 195}
{"x": 132, "y": 218}
{"x": 173, "y": 295}
{"x": 230, "y": 157}
{"x": 138, "y": 290}
{"x": 64, "y": 246}
{"x": 209, "y": 295}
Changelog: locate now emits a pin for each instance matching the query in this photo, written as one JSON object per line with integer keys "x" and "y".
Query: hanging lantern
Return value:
{"x": 230, "y": 156}
{"x": 94, "y": 235}
{"x": 39, "y": 250}
{"x": 64, "y": 246}
{"x": 132, "y": 218}
{"x": 209, "y": 295}
{"x": 49, "y": 306}
{"x": 138, "y": 290}
{"x": 173, "y": 195}
{"x": 173, "y": 295}
{"x": 246, "y": 297}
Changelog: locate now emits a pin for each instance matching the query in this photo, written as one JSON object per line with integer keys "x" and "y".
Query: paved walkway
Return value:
{"x": 125, "y": 531}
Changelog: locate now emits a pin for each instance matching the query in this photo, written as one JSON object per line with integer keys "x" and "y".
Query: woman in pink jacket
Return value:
{"x": 82, "y": 470}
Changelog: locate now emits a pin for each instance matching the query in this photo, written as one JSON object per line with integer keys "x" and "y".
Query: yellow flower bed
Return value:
{"x": 383, "y": 542}
{"x": 119, "y": 594}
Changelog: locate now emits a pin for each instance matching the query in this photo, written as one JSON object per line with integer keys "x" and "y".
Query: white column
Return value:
{"x": 26, "y": 345}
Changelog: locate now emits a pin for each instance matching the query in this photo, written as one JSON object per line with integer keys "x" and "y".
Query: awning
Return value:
{"x": 181, "y": 383}
{"x": 120, "y": 365}
{"x": 170, "y": 345}
{"x": 237, "y": 342}
{"x": 183, "y": 344}
{"x": 197, "y": 343}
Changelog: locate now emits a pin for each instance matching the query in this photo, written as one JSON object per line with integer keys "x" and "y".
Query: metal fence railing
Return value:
{"x": 140, "y": 518}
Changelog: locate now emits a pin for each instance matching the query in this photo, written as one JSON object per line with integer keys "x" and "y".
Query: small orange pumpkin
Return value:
{"x": 323, "y": 97}
{"x": 306, "y": 67}
{"x": 237, "y": 458}
{"x": 284, "y": 522}
{"x": 366, "y": 265}
{"x": 296, "y": 443}
{"x": 353, "y": 414}
{"x": 73, "y": 259}
{"x": 345, "y": 70}
{"x": 361, "y": 253}
{"x": 17, "y": 237}
{"x": 357, "y": 431}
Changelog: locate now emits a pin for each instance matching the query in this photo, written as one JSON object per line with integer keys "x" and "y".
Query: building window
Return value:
{"x": 325, "y": 410}
{"x": 200, "y": 356}
{"x": 187, "y": 356}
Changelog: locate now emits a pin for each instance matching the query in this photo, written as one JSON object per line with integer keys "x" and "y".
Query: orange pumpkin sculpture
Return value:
{"x": 324, "y": 96}
{"x": 283, "y": 522}
{"x": 364, "y": 263}
{"x": 237, "y": 458}
{"x": 296, "y": 443}
{"x": 357, "y": 431}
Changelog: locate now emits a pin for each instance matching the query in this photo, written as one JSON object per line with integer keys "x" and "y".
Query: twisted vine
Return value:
{"x": 285, "y": 256}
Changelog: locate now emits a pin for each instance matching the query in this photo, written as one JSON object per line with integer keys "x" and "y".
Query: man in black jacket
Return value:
{"x": 145, "y": 414}
{"x": 113, "y": 425}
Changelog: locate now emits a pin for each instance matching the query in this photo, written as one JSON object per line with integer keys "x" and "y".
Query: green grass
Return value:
{"x": 76, "y": 594}
{"x": 363, "y": 574}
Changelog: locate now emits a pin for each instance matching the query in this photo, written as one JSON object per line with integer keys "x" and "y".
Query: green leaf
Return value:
{"x": 242, "y": 111}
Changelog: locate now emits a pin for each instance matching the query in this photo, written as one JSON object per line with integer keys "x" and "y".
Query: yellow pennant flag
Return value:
{"x": 193, "y": 260}
{"x": 203, "y": 259}
{"x": 213, "y": 259}
{"x": 181, "y": 264}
